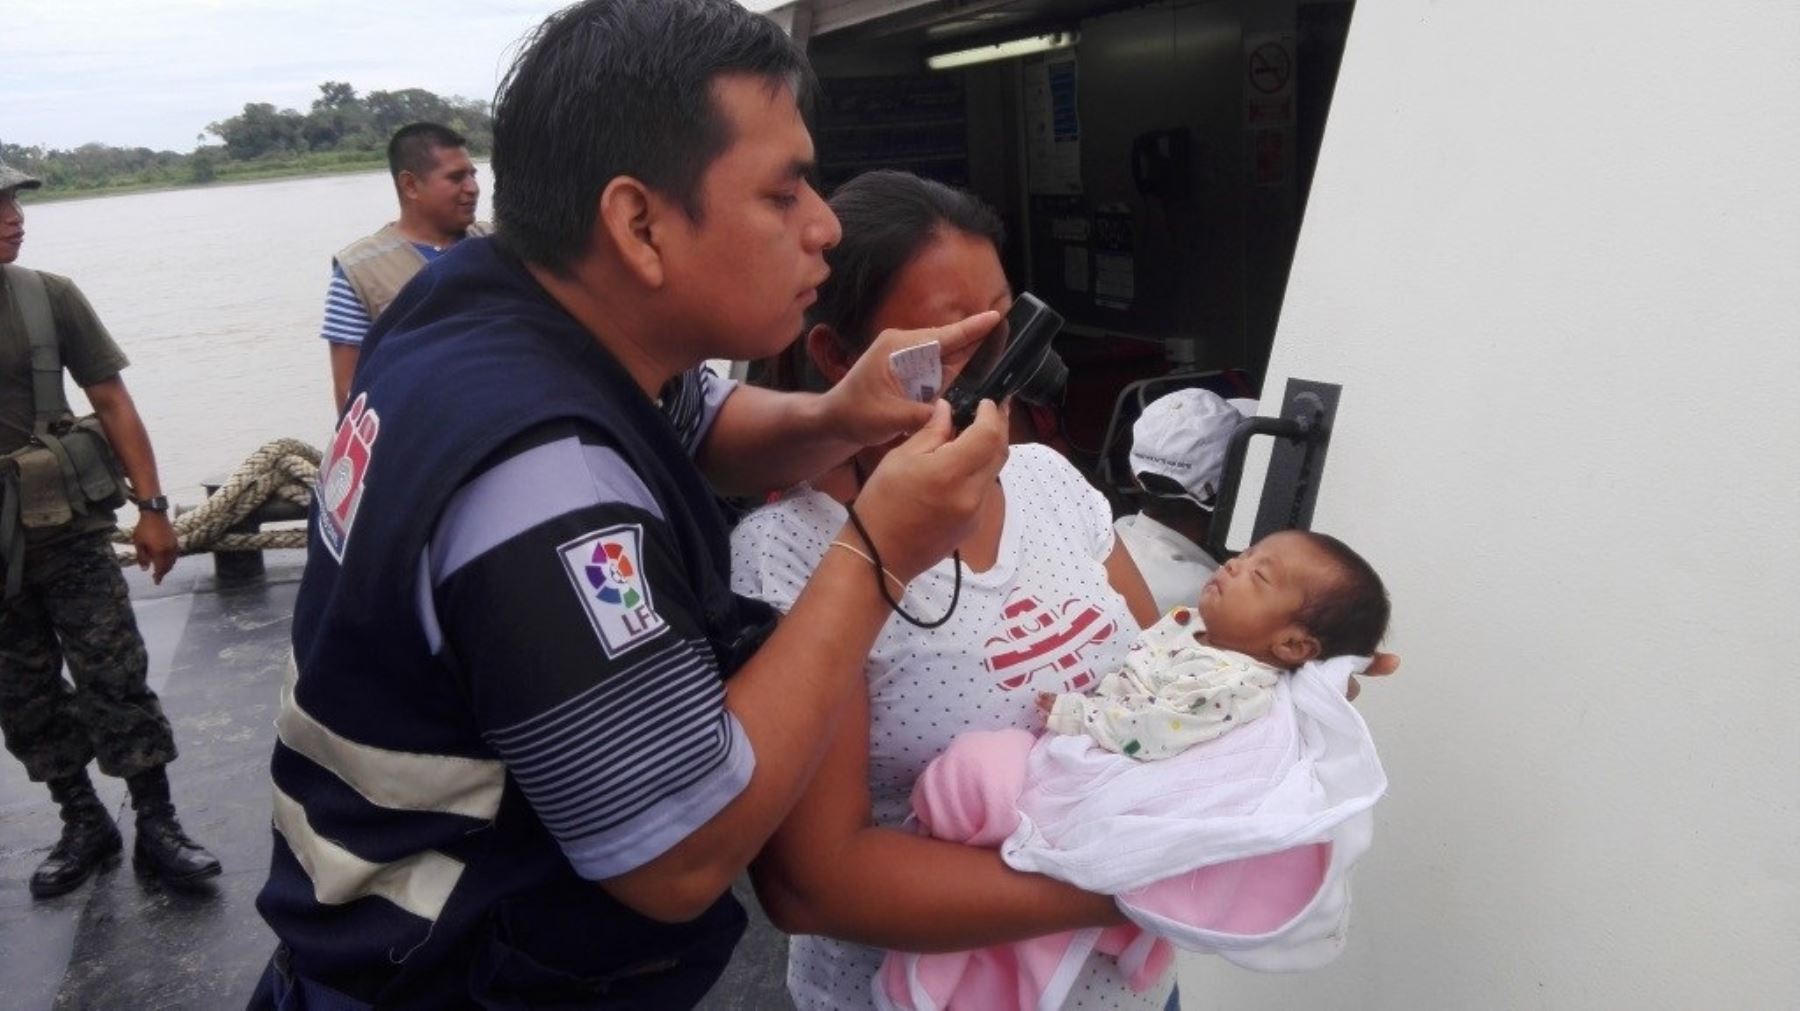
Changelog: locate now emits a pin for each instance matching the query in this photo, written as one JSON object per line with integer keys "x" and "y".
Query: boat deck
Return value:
{"x": 217, "y": 653}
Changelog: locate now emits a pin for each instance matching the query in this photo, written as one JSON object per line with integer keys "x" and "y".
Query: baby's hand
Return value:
{"x": 1046, "y": 701}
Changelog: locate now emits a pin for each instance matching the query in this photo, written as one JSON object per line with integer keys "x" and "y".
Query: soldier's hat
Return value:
{"x": 12, "y": 179}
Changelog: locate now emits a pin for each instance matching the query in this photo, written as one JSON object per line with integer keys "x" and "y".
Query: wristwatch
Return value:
{"x": 153, "y": 504}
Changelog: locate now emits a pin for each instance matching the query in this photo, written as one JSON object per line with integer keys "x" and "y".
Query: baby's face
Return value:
{"x": 1255, "y": 599}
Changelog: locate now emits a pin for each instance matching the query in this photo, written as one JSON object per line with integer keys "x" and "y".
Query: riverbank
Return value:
{"x": 225, "y": 173}
{"x": 228, "y": 174}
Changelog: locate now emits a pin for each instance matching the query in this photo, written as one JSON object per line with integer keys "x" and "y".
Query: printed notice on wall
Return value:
{"x": 1075, "y": 268}
{"x": 1052, "y": 128}
{"x": 1115, "y": 280}
{"x": 1115, "y": 267}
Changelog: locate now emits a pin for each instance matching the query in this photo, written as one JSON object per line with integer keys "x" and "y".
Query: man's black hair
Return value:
{"x": 414, "y": 147}
{"x": 888, "y": 218}
{"x": 1350, "y": 617}
{"x": 609, "y": 88}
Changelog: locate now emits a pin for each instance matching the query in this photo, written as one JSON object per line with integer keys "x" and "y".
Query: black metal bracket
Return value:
{"x": 1291, "y": 487}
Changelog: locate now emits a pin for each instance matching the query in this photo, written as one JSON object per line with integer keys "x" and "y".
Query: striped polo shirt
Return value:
{"x": 346, "y": 319}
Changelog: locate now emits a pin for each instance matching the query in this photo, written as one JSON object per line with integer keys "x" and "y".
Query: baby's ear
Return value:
{"x": 1294, "y": 645}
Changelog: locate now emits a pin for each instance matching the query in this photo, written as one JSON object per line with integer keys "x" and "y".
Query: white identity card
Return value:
{"x": 920, "y": 370}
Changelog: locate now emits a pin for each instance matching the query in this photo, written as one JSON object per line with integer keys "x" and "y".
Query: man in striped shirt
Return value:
{"x": 435, "y": 183}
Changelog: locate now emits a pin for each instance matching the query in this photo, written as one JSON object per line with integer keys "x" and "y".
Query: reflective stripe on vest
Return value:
{"x": 397, "y": 780}
{"x": 420, "y": 884}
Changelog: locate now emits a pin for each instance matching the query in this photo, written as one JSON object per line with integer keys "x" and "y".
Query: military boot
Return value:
{"x": 162, "y": 849}
{"x": 89, "y": 839}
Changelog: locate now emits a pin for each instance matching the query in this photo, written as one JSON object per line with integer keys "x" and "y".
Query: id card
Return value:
{"x": 920, "y": 370}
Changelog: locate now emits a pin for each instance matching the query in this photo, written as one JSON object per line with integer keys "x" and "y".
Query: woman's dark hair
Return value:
{"x": 609, "y": 88}
{"x": 888, "y": 218}
{"x": 1351, "y": 617}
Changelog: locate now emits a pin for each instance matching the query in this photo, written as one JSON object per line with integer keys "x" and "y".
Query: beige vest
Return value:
{"x": 378, "y": 266}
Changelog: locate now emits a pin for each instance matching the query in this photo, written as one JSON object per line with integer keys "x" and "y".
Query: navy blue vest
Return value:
{"x": 473, "y": 354}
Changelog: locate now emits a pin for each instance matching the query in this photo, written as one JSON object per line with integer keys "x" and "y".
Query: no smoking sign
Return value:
{"x": 1270, "y": 67}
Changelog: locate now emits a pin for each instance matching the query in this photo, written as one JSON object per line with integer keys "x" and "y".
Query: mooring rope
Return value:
{"x": 284, "y": 469}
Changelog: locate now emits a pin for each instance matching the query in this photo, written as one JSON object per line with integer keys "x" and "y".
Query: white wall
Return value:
{"x": 1553, "y": 253}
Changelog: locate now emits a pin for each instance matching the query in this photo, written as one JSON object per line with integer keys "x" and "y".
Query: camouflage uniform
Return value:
{"x": 67, "y": 600}
{"x": 75, "y": 607}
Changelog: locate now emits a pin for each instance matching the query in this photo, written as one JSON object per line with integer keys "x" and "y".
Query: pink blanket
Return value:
{"x": 970, "y": 794}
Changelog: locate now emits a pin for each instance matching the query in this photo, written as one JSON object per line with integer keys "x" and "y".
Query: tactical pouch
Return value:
{"x": 43, "y": 497}
{"x": 90, "y": 470}
{"x": 63, "y": 473}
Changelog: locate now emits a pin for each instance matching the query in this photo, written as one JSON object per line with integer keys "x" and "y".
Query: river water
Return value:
{"x": 216, "y": 295}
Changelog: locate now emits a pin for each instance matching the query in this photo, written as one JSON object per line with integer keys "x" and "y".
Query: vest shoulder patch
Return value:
{"x": 605, "y": 568}
{"x": 344, "y": 471}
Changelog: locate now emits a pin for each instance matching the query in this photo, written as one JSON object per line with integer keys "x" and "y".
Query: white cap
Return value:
{"x": 1183, "y": 436}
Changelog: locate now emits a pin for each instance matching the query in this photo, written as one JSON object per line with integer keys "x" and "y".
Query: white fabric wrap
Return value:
{"x": 1305, "y": 773}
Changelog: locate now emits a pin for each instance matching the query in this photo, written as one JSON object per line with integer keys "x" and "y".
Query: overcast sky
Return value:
{"x": 153, "y": 73}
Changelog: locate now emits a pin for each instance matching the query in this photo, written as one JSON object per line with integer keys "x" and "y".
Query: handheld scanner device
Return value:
{"x": 1025, "y": 361}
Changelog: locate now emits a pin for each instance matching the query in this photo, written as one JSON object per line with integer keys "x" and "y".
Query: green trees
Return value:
{"x": 260, "y": 130}
{"x": 342, "y": 120}
{"x": 341, "y": 129}
{"x": 91, "y": 166}
{"x": 336, "y": 114}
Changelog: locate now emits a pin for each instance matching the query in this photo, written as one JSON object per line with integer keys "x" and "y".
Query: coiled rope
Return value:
{"x": 284, "y": 469}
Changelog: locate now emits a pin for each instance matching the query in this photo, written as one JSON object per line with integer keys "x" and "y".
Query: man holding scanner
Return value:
{"x": 531, "y": 736}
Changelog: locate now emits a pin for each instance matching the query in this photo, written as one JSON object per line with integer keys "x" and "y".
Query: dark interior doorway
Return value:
{"x": 1152, "y": 174}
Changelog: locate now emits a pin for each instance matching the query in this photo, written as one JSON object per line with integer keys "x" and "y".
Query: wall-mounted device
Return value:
{"x": 1162, "y": 163}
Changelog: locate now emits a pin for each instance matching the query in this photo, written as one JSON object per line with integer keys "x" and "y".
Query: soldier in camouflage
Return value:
{"x": 72, "y": 606}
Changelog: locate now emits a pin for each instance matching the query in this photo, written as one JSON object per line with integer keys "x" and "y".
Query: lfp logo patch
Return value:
{"x": 606, "y": 570}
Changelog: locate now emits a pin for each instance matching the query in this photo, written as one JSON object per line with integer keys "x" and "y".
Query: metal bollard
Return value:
{"x": 241, "y": 566}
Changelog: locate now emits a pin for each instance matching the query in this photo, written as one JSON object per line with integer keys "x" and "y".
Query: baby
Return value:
{"x": 1292, "y": 597}
{"x": 1241, "y": 845}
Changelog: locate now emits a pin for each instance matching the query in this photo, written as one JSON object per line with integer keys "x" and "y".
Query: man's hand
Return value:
{"x": 869, "y": 407}
{"x": 154, "y": 539}
{"x": 923, "y": 499}
{"x": 1381, "y": 665}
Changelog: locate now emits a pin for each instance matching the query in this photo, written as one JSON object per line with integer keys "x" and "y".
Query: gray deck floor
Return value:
{"x": 216, "y": 657}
